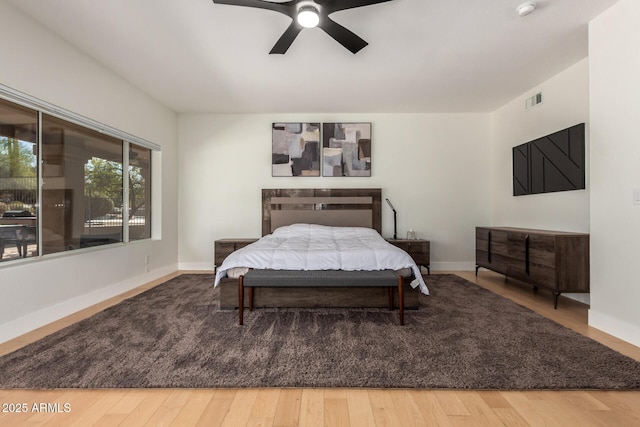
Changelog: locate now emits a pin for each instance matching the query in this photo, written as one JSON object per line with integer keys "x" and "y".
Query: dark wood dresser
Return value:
{"x": 418, "y": 249}
{"x": 555, "y": 260}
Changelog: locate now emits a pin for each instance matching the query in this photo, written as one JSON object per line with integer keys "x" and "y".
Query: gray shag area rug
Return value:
{"x": 174, "y": 336}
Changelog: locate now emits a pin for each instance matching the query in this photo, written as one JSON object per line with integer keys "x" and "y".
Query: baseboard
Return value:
{"x": 38, "y": 319}
{"x": 194, "y": 266}
{"x": 616, "y": 327}
{"x": 583, "y": 298}
{"x": 453, "y": 266}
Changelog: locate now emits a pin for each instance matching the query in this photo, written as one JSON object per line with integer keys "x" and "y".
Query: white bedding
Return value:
{"x": 319, "y": 247}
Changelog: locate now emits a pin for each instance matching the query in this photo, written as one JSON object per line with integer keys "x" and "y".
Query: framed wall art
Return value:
{"x": 346, "y": 149}
{"x": 295, "y": 149}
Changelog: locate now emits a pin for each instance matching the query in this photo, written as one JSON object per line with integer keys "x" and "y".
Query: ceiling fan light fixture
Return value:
{"x": 308, "y": 17}
{"x": 308, "y": 14}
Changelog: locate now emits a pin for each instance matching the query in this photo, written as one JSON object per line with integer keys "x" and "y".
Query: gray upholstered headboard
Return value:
{"x": 345, "y": 207}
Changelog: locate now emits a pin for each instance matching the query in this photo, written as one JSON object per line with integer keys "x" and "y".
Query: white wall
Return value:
{"x": 614, "y": 37}
{"x": 38, "y": 291}
{"x": 433, "y": 167}
{"x": 565, "y": 103}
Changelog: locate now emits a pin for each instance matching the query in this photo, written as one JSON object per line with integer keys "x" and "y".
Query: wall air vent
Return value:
{"x": 533, "y": 101}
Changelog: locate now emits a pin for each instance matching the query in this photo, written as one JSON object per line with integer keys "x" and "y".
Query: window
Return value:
{"x": 81, "y": 187}
{"x": 95, "y": 186}
{"x": 139, "y": 192}
{"x": 18, "y": 181}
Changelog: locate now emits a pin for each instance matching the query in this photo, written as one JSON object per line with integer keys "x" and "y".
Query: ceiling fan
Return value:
{"x": 309, "y": 14}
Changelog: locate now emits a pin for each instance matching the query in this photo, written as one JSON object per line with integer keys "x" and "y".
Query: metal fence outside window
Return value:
{"x": 18, "y": 192}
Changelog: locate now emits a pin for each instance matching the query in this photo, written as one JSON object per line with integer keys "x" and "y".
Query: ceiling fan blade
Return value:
{"x": 285, "y": 40}
{"x": 330, "y": 6}
{"x": 345, "y": 37}
{"x": 288, "y": 8}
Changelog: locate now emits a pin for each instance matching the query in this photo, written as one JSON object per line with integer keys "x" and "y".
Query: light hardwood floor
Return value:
{"x": 335, "y": 407}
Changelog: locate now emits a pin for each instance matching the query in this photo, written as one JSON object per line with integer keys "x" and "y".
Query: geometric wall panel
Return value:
{"x": 555, "y": 162}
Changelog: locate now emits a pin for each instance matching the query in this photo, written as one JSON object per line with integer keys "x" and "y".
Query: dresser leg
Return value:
{"x": 477, "y": 268}
{"x": 555, "y": 300}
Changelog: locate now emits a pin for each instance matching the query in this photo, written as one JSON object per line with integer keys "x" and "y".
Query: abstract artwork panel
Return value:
{"x": 346, "y": 149}
{"x": 555, "y": 162}
{"x": 295, "y": 149}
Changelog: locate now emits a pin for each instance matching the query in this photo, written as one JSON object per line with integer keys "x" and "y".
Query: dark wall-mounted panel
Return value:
{"x": 555, "y": 162}
{"x": 521, "y": 169}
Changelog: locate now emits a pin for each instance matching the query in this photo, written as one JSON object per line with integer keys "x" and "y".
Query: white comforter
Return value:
{"x": 319, "y": 247}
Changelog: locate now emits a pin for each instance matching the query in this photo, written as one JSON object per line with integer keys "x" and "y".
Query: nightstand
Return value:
{"x": 417, "y": 248}
{"x": 224, "y": 247}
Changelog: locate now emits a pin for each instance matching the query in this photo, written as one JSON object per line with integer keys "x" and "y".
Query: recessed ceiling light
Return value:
{"x": 526, "y": 8}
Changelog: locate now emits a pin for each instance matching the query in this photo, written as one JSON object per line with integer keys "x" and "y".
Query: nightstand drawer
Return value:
{"x": 225, "y": 247}
{"x": 419, "y": 249}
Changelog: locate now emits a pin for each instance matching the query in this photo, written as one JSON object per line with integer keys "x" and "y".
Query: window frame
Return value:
{"x": 127, "y": 140}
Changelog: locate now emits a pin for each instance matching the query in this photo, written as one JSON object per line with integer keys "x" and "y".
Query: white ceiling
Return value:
{"x": 423, "y": 55}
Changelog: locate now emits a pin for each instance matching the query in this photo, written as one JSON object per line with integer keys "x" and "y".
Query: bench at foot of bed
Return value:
{"x": 316, "y": 297}
{"x": 321, "y": 279}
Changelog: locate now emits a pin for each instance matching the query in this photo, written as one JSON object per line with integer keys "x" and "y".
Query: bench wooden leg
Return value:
{"x": 240, "y": 299}
{"x": 401, "y": 298}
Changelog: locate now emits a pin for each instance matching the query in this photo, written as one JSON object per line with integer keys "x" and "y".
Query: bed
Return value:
{"x": 312, "y": 229}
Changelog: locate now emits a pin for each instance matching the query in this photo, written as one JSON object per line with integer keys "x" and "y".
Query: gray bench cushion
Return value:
{"x": 323, "y": 278}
